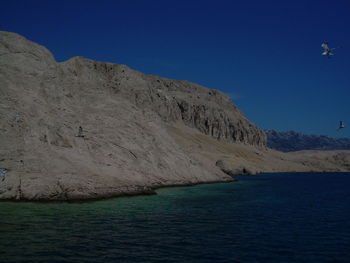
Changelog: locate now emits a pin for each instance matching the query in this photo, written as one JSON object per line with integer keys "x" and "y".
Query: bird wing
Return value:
{"x": 325, "y": 46}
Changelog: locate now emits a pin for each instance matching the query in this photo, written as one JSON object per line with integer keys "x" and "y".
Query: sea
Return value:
{"x": 282, "y": 217}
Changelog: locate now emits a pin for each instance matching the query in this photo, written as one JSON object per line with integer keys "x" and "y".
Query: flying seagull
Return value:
{"x": 341, "y": 125}
{"x": 327, "y": 51}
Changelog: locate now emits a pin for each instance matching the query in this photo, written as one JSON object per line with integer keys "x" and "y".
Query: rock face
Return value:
{"x": 209, "y": 111}
{"x": 295, "y": 141}
{"x": 125, "y": 115}
{"x": 232, "y": 169}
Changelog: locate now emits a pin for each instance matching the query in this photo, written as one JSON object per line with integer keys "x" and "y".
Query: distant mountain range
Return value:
{"x": 295, "y": 141}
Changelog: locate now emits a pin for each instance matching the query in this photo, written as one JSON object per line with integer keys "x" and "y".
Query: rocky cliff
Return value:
{"x": 209, "y": 111}
{"x": 125, "y": 117}
{"x": 295, "y": 141}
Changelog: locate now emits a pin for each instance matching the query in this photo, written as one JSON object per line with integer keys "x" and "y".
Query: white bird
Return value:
{"x": 341, "y": 125}
{"x": 327, "y": 51}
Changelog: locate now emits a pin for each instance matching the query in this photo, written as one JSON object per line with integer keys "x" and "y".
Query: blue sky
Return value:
{"x": 264, "y": 54}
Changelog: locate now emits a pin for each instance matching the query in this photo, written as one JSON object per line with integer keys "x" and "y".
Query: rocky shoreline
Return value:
{"x": 142, "y": 190}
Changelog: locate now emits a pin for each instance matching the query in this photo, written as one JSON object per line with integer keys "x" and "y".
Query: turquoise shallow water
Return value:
{"x": 264, "y": 218}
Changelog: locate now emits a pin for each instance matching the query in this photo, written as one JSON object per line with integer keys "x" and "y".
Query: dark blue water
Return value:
{"x": 264, "y": 218}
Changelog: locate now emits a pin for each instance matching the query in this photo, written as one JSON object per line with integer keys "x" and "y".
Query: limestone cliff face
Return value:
{"x": 209, "y": 111}
{"x": 125, "y": 116}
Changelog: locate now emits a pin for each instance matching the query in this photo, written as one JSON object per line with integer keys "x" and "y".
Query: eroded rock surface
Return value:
{"x": 124, "y": 113}
{"x": 232, "y": 168}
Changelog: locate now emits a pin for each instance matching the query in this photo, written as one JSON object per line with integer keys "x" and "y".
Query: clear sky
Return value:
{"x": 265, "y": 54}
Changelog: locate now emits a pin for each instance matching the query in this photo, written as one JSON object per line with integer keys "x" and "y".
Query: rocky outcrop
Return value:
{"x": 125, "y": 115}
{"x": 295, "y": 141}
{"x": 209, "y": 111}
{"x": 219, "y": 124}
{"x": 231, "y": 168}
